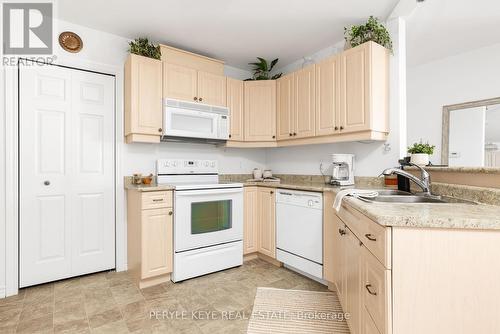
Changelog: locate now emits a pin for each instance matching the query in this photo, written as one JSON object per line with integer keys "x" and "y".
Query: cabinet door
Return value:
{"x": 354, "y": 83}
{"x": 305, "y": 102}
{"x": 327, "y": 96}
{"x": 267, "y": 224}
{"x": 143, "y": 103}
{"x": 179, "y": 82}
{"x": 157, "y": 242}
{"x": 251, "y": 221}
{"x": 284, "y": 91}
{"x": 211, "y": 89}
{"x": 260, "y": 110}
{"x": 235, "y": 105}
{"x": 352, "y": 279}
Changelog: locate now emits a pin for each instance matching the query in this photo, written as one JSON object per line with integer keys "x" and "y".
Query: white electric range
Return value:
{"x": 208, "y": 217}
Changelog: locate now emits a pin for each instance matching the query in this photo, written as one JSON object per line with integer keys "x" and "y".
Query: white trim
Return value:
{"x": 11, "y": 170}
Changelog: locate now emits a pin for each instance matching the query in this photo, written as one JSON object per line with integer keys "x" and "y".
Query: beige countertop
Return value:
{"x": 417, "y": 215}
{"x": 148, "y": 187}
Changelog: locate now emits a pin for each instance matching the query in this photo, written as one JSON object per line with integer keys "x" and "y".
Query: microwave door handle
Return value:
{"x": 203, "y": 192}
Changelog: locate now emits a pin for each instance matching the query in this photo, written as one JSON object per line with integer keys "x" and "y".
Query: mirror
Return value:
{"x": 471, "y": 134}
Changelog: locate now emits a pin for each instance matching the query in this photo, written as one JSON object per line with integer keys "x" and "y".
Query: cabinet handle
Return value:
{"x": 274, "y": 137}
{"x": 170, "y": 213}
{"x": 370, "y": 237}
{"x": 229, "y": 136}
{"x": 336, "y": 128}
{"x": 272, "y": 192}
{"x": 290, "y": 134}
{"x": 160, "y": 130}
{"x": 200, "y": 99}
{"x": 195, "y": 98}
{"x": 294, "y": 134}
{"x": 368, "y": 286}
{"x": 342, "y": 232}
{"x": 341, "y": 128}
{"x": 157, "y": 199}
{"x": 47, "y": 183}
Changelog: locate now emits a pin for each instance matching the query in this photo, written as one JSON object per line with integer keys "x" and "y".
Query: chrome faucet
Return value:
{"x": 424, "y": 182}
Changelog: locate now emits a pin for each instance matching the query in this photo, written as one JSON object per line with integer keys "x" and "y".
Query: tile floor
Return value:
{"x": 110, "y": 303}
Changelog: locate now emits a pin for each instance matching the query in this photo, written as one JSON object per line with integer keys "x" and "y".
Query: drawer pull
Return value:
{"x": 170, "y": 213}
{"x": 157, "y": 199}
{"x": 368, "y": 286}
{"x": 370, "y": 237}
{"x": 342, "y": 232}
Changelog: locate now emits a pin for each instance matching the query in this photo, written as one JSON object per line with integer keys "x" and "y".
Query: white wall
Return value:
{"x": 470, "y": 76}
{"x": 371, "y": 157}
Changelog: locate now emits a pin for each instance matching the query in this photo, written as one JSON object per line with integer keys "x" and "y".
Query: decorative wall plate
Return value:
{"x": 70, "y": 41}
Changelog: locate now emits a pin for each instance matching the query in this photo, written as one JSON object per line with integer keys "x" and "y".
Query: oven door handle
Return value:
{"x": 203, "y": 192}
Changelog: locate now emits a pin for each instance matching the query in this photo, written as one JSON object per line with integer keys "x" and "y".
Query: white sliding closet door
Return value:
{"x": 66, "y": 142}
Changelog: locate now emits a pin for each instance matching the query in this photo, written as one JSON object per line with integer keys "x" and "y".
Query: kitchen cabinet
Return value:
{"x": 285, "y": 107}
{"x": 149, "y": 236}
{"x": 236, "y": 106}
{"x": 304, "y": 102}
{"x": 364, "y": 88}
{"x": 260, "y": 110}
{"x": 296, "y": 104}
{"x": 351, "y": 278}
{"x": 143, "y": 99}
{"x": 328, "y": 96}
{"x": 188, "y": 84}
{"x": 259, "y": 222}
{"x": 211, "y": 88}
{"x": 267, "y": 221}
{"x": 251, "y": 221}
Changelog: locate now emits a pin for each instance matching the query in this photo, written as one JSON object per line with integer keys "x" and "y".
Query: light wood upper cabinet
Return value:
{"x": 235, "y": 105}
{"x": 285, "y": 107}
{"x": 184, "y": 83}
{"x": 157, "y": 241}
{"x": 260, "y": 110}
{"x": 364, "y": 83}
{"x": 211, "y": 89}
{"x": 179, "y": 82}
{"x": 267, "y": 223}
{"x": 304, "y": 102}
{"x": 251, "y": 221}
{"x": 143, "y": 103}
{"x": 328, "y": 96}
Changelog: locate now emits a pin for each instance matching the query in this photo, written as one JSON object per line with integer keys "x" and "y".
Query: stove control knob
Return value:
{"x": 167, "y": 164}
{"x": 174, "y": 163}
{"x": 206, "y": 163}
{"x": 212, "y": 164}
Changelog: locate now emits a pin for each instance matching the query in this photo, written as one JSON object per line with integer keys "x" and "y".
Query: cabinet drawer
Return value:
{"x": 375, "y": 237}
{"x": 376, "y": 290}
{"x": 156, "y": 199}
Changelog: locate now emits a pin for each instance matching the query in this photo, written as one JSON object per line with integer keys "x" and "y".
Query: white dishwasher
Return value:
{"x": 299, "y": 230}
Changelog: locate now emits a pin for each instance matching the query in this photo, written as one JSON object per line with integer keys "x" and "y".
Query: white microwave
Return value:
{"x": 195, "y": 120}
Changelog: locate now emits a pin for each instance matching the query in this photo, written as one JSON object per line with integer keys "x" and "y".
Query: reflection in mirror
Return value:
{"x": 471, "y": 134}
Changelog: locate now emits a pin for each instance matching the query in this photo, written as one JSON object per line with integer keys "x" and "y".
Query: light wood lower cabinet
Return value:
{"x": 259, "y": 224}
{"x": 149, "y": 236}
{"x": 142, "y": 100}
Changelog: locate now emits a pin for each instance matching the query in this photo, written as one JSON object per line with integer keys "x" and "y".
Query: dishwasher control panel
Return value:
{"x": 306, "y": 199}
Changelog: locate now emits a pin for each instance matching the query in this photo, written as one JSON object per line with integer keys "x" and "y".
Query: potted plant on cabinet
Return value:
{"x": 372, "y": 30}
{"x": 420, "y": 153}
{"x": 262, "y": 70}
{"x": 142, "y": 47}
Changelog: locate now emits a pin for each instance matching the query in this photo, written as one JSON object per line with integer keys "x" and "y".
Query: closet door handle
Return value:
{"x": 370, "y": 237}
{"x": 368, "y": 286}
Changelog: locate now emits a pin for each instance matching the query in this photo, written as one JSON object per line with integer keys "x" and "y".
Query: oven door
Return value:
{"x": 181, "y": 122}
{"x": 207, "y": 217}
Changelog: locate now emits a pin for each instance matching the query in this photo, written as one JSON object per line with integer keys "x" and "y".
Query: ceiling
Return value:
{"x": 442, "y": 28}
{"x": 235, "y": 31}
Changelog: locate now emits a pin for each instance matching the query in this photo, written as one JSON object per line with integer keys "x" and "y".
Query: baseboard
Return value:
{"x": 251, "y": 256}
{"x": 270, "y": 260}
